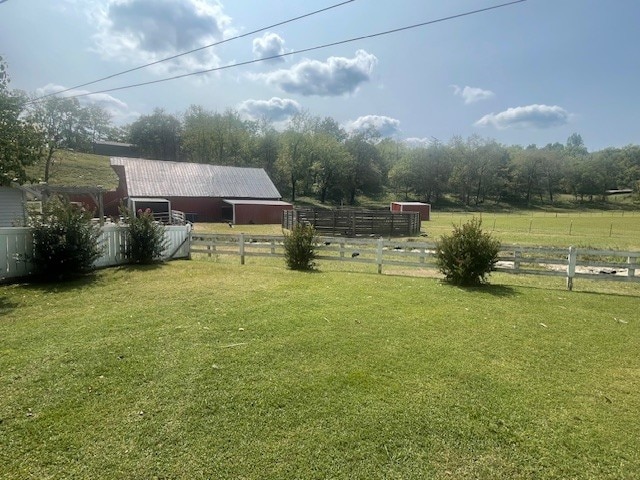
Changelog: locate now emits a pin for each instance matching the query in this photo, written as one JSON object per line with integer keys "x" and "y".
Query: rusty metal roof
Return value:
{"x": 156, "y": 178}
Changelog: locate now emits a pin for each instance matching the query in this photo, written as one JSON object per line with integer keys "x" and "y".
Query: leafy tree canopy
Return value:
{"x": 21, "y": 144}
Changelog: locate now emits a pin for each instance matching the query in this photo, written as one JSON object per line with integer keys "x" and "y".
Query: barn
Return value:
{"x": 423, "y": 208}
{"x": 205, "y": 193}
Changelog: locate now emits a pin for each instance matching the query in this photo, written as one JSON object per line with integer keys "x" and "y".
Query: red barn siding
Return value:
{"x": 423, "y": 208}
{"x": 259, "y": 214}
{"x": 205, "y": 209}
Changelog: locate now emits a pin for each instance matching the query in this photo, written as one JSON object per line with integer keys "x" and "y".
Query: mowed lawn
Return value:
{"x": 208, "y": 369}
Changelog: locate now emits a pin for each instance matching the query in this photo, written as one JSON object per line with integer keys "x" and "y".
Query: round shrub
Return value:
{"x": 299, "y": 248}
{"x": 467, "y": 255}
{"x": 65, "y": 241}
{"x": 145, "y": 239}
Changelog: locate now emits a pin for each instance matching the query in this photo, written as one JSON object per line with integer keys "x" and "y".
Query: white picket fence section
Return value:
{"x": 16, "y": 245}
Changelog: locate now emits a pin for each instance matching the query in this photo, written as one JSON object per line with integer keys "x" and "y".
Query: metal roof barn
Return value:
{"x": 198, "y": 190}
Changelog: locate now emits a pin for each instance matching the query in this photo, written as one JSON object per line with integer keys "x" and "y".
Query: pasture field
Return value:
{"x": 615, "y": 230}
{"x": 208, "y": 369}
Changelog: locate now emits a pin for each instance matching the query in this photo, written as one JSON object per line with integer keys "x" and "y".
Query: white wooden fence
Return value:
{"x": 16, "y": 245}
{"x": 570, "y": 263}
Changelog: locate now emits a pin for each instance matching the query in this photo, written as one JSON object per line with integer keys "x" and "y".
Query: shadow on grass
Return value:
{"x": 52, "y": 285}
{"x": 7, "y": 305}
{"x": 493, "y": 290}
{"x": 133, "y": 267}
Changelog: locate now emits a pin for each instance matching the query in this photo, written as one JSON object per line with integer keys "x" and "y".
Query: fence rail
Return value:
{"x": 16, "y": 247}
{"x": 570, "y": 263}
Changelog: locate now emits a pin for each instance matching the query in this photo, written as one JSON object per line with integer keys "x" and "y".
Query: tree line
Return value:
{"x": 316, "y": 157}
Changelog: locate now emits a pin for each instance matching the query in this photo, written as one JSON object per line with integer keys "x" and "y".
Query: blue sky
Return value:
{"x": 533, "y": 72}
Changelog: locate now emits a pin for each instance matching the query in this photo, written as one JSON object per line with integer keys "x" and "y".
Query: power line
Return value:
{"x": 310, "y": 49}
{"x": 173, "y": 57}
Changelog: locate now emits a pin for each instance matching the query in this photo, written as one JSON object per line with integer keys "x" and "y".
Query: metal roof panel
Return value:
{"x": 157, "y": 178}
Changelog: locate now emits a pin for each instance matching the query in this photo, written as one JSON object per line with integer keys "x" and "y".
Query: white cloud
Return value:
{"x": 119, "y": 110}
{"x": 276, "y": 109}
{"x": 530, "y": 116}
{"x": 144, "y": 31}
{"x": 269, "y": 45}
{"x": 386, "y": 126}
{"x": 472, "y": 94}
{"x": 337, "y": 76}
{"x": 415, "y": 142}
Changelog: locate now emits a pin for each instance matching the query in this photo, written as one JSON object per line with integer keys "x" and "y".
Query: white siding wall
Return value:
{"x": 12, "y": 207}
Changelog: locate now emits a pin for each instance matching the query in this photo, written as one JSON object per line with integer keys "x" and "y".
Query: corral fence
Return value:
{"x": 354, "y": 222}
{"x": 569, "y": 263}
{"x": 16, "y": 247}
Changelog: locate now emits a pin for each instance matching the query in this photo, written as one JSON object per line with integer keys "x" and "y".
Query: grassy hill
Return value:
{"x": 78, "y": 169}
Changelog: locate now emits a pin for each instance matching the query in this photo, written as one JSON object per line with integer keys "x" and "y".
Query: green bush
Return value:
{"x": 145, "y": 239}
{"x": 467, "y": 255}
{"x": 65, "y": 241}
{"x": 299, "y": 248}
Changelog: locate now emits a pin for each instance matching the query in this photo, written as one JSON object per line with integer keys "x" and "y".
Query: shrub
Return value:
{"x": 65, "y": 241}
{"x": 299, "y": 248}
{"x": 467, "y": 255}
{"x": 145, "y": 239}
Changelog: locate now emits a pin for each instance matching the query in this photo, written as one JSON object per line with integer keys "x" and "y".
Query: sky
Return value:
{"x": 533, "y": 72}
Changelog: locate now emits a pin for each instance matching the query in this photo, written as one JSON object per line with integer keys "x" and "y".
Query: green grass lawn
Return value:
{"x": 207, "y": 369}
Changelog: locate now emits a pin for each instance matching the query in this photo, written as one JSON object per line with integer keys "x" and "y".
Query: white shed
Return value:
{"x": 13, "y": 207}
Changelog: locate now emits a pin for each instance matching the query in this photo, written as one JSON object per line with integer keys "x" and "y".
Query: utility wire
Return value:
{"x": 173, "y": 57}
{"x": 310, "y": 49}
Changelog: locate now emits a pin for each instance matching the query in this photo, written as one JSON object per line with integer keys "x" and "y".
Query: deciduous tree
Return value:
{"x": 21, "y": 144}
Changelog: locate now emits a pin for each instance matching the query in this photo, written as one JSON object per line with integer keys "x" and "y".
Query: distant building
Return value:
{"x": 423, "y": 208}
{"x": 115, "y": 149}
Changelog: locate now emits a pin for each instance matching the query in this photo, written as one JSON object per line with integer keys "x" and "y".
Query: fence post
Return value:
{"x": 241, "y": 240}
{"x": 571, "y": 266}
{"x": 516, "y": 259}
{"x": 379, "y": 254}
{"x": 631, "y": 270}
